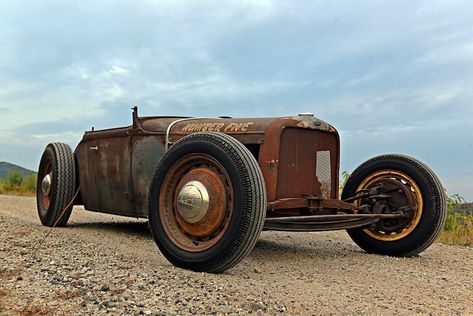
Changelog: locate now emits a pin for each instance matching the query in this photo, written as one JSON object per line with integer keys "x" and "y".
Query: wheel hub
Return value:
{"x": 46, "y": 184}
{"x": 193, "y": 202}
{"x": 404, "y": 195}
{"x": 196, "y": 202}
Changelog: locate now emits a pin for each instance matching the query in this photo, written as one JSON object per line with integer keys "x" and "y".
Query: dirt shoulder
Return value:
{"x": 103, "y": 264}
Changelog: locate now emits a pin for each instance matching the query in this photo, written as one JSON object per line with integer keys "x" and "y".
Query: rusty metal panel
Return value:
{"x": 297, "y": 168}
{"x": 158, "y": 123}
{"x": 106, "y": 133}
{"x": 147, "y": 151}
{"x": 297, "y": 165}
{"x": 104, "y": 174}
{"x": 86, "y": 164}
{"x": 247, "y": 131}
{"x": 223, "y": 125}
{"x": 269, "y": 155}
{"x": 113, "y": 175}
{"x": 272, "y": 148}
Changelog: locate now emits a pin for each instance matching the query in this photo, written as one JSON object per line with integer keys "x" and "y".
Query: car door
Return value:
{"x": 112, "y": 169}
{"x": 86, "y": 159}
{"x": 104, "y": 164}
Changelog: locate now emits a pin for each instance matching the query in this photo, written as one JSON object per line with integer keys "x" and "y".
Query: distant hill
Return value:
{"x": 6, "y": 168}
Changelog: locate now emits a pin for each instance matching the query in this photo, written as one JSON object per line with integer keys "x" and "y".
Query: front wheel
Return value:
{"x": 409, "y": 186}
{"x": 56, "y": 185}
{"x": 206, "y": 202}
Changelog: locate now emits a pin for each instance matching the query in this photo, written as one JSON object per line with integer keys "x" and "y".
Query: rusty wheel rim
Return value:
{"x": 190, "y": 177}
{"x": 46, "y": 185}
{"x": 410, "y": 192}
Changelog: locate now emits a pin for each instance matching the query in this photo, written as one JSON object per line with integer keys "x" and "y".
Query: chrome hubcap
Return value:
{"x": 46, "y": 184}
{"x": 193, "y": 201}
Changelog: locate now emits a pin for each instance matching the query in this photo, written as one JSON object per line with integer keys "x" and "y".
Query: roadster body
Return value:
{"x": 210, "y": 185}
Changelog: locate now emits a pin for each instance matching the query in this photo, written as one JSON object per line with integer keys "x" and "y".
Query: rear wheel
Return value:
{"x": 56, "y": 184}
{"x": 207, "y": 202}
{"x": 410, "y": 187}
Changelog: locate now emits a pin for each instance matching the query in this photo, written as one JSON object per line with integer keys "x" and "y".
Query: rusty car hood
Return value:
{"x": 230, "y": 125}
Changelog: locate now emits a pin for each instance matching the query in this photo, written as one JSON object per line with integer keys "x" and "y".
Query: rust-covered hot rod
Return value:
{"x": 208, "y": 186}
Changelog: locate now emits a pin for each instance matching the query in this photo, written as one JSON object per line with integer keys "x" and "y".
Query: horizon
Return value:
{"x": 391, "y": 77}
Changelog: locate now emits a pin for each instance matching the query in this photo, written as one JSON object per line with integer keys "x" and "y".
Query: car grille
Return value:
{"x": 323, "y": 172}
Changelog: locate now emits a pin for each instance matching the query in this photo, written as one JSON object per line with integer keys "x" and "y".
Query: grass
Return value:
{"x": 458, "y": 229}
{"x": 461, "y": 234}
{"x": 16, "y": 192}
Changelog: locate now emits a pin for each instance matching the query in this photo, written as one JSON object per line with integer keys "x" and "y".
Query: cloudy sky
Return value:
{"x": 391, "y": 76}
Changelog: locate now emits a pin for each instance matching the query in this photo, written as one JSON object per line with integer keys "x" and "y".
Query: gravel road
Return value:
{"x": 102, "y": 264}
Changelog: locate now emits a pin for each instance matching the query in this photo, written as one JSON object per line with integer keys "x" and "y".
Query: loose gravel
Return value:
{"x": 102, "y": 264}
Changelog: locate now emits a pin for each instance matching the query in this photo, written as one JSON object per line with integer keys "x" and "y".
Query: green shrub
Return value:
{"x": 29, "y": 183}
{"x": 15, "y": 184}
{"x": 13, "y": 180}
{"x": 458, "y": 229}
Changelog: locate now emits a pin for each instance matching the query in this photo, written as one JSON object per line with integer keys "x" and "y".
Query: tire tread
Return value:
{"x": 63, "y": 187}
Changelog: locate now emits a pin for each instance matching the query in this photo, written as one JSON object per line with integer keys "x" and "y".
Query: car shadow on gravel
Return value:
{"x": 316, "y": 248}
{"x": 139, "y": 229}
{"x": 267, "y": 247}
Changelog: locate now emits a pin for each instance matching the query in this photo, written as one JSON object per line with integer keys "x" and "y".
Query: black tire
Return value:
{"x": 429, "y": 222}
{"x": 246, "y": 216}
{"x": 57, "y": 161}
